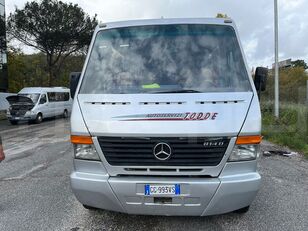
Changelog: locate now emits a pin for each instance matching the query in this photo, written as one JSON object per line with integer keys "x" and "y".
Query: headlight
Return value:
{"x": 245, "y": 152}
{"x": 84, "y": 148}
{"x": 85, "y": 152}
{"x": 30, "y": 113}
{"x": 246, "y": 148}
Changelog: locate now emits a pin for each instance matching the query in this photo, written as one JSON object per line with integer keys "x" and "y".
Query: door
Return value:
{"x": 52, "y": 104}
{"x": 43, "y": 106}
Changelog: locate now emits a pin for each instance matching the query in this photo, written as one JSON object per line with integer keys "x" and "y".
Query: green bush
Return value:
{"x": 292, "y": 86}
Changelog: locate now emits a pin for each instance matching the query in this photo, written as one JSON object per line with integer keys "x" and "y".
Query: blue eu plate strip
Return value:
{"x": 147, "y": 189}
{"x": 177, "y": 189}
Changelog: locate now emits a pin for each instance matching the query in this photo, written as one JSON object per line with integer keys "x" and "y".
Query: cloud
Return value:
{"x": 254, "y": 20}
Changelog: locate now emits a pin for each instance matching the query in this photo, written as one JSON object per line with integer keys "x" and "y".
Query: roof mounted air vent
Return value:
{"x": 102, "y": 25}
{"x": 229, "y": 20}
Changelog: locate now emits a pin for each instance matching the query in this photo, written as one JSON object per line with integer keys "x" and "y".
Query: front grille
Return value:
{"x": 129, "y": 151}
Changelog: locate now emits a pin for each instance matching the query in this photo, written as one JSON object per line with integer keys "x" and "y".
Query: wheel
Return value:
{"x": 39, "y": 118}
{"x": 242, "y": 210}
{"x": 65, "y": 114}
{"x": 13, "y": 122}
{"x": 89, "y": 207}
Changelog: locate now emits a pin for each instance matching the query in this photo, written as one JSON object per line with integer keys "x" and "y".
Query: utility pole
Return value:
{"x": 307, "y": 93}
{"x": 276, "y": 61}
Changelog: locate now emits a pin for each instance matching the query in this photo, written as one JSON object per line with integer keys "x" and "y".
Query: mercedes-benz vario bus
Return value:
{"x": 166, "y": 119}
{"x": 34, "y": 104}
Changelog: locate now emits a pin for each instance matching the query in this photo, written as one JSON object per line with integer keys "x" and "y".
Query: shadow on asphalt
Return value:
{"x": 5, "y": 124}
{"x": 121, "y": 221}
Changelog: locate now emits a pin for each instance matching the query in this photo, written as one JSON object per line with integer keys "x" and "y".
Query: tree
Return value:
{"x": 28, "y": 70}
{"x": 300, "y": 63}
{"x": 2, "y": 35}
{"x": 220, "y": 15}
{"x": 55, "y": 28}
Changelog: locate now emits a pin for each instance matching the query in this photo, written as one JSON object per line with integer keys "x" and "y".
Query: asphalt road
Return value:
{"x": 35, "y": 192}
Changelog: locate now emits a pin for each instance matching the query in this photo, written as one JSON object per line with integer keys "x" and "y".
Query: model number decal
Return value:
{"x": 188, "y": 116}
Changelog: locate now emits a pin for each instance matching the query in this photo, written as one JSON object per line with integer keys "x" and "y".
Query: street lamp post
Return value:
{"x": 276, "y": 62}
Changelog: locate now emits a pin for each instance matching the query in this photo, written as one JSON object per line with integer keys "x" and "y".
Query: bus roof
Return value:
{"x": 44, "y": 89}
{"x": 164, "y": 21}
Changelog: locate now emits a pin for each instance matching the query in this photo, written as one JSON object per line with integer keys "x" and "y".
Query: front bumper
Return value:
{"x": 199, "y": 196}
{"x": 21, "y": 118}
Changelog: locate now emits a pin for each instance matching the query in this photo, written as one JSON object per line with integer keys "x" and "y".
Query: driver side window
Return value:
{"x": 43, "y": 99}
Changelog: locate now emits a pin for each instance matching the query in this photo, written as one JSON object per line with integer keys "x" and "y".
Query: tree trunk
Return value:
{"x": 50, "y": 70}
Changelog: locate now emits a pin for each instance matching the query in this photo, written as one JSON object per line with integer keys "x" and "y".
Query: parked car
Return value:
{"x": 166, "y": 119}
{"x": 36, "y": 103}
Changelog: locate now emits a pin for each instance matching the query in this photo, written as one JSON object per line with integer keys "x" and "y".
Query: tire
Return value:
{"x": 242, "y": 210}
{"x": 39, "y": 118}
{"x": 13, "y": 122}
{"x": 65, "y": 114}
{"x": 89, "y": 207}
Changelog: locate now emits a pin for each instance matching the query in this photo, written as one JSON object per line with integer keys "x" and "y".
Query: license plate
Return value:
{"x": 174, "y": 189}
{"x": 17, "y": 118}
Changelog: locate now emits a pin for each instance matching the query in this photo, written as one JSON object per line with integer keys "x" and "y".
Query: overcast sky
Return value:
{"x": 254, "y": 19}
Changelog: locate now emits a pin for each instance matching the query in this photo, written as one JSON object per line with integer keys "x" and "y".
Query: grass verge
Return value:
{"x": 291, "y": 129}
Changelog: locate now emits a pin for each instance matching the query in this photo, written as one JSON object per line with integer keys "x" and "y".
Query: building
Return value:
{"x": 3, "y": 54}
{"x": 283, "y": 64}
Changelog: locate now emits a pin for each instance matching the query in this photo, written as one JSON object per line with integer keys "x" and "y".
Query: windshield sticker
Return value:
{"x": 151, "y": 86}
{"x": 188, "y": 116}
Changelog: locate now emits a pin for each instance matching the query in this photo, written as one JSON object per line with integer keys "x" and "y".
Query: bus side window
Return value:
{"x": 66, "y": 96}
{"x": 51, "y": 96}
{"x": 58, "y": 96}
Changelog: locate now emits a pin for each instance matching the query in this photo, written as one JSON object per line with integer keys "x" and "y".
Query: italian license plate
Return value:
{"x": 174, "y": 189}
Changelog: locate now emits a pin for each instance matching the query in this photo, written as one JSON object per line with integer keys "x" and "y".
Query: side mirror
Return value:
{"x": 74, "y": 80}
{"x": 261, "y": 78}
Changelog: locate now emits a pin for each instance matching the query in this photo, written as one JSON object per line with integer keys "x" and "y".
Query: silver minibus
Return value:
{"x": 166, "y": 119}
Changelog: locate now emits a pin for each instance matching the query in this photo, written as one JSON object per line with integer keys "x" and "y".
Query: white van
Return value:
{"x": 166, "y": 119}
{"x": 37, "y": 103}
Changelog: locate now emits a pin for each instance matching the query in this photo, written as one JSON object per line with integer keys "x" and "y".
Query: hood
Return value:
{"x": 17, "y": 99}
{"x": 208, "y": 114}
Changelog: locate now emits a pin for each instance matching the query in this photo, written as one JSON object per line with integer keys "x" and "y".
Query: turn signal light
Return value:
{"x": 81, "y": 140}
{"x": 248, "y": 140}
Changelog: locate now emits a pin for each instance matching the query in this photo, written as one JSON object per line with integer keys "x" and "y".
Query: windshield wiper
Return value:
{"x": 177, "y": 91}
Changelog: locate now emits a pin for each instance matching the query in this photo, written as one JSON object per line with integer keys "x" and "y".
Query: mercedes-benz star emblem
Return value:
{"x": 162, "y": 151}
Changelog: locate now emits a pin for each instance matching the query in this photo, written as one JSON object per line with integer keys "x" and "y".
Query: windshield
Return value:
{"x": 34, "y": 96}
{"x": 166, "y": 59}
